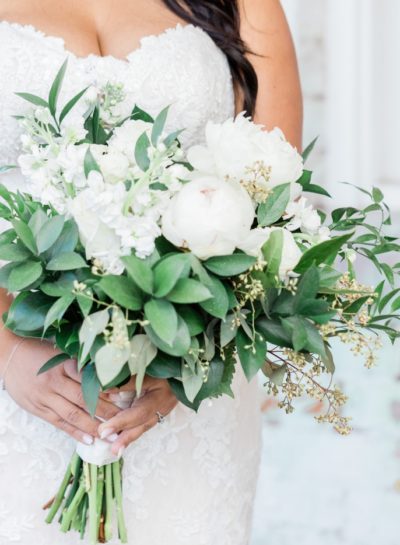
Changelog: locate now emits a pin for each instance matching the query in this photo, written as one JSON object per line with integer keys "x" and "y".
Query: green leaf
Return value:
{"x": 308, "y": 286}
{"x": 25, "y": 234}
{"x": 181, "y": 344}
{"x": 168, "y": 271}
{"x": 163, "y": 319}
{"x": 377, "y": 195}
{"x": 188, "y": 291}
{"x": 57, "y": 310}
{"x": 49, "y": 233}
{"x": 63, "y": 286}
{"x": 274, "y": 332}
{"x": 53, "y": 362}
{"x": 229, "y": 265}
{"x": 322, "y": 252}
{"x": 315, "y": 343}
{"x": 142, "y": 152}
{"x": 139, "y": 114}
{"x": 307, "y": 152}
{"x": 218, "y": 305}
{"x": 123, "y": 291}
{"x": 159, "y": 124}
{"x": 28, "y": 311}
{"x": 272, "y": 251}
{"x": 274, "y": 207}
{"x": 110, "y": 361}
{"x": 37, "y": 220}
{"x": 252, "y": 357}
{"x": 142, "y": 353}
{"x": 5, "y": 272}
{"x": 24, "y": 275}
{"x": 14, "y": 252}
{"x": 164, "y": 367}
{"x": 275, "y": 373}
{"x": 140, "y": 272}
{"x": 295, "y": 327}
{"x": 67, "y": 261}
{"x": 228, "y": 330}
{"x": 91, "y": 388}
{"x": 192, "y": 381}
{"x": 33, "y": 99}
{"x": 328, "y": 360}
{"x": 67, "y": 241}
{"x": 7, "y": 237}
{"x": 56, "y": 87}
{"x": 90, "y": 164}
{"x": 70, "y": 104}
{"x": 85, "y": 304}
{"x": 93, "y": 325}
{"x": 193, "y": 319}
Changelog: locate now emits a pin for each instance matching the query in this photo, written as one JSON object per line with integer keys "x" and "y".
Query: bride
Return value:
{"x": 191, "y": 479}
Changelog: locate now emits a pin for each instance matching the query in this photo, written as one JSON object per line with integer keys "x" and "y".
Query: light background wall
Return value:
{"x": 316, "y": 487}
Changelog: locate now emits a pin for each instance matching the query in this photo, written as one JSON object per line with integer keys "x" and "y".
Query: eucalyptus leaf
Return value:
{"x": 158, "y": 126}
{"x": 57, "y": 310}
{"x": 274, "y": 207}
{"x": 67, "y": 261}
{"x": 163, "y": 319}
{"x": 93, "y": 325}
{"x": 24, "y": 275}
{"x": 142, "y": 152}
{"x": 25, "y": 235}
{"x": 91, "y": 388}
{"x": 188, "y": 291}
{"x": 192, "y": 382}
{"x": 110, "y": 361}
{"x": 140, "y": 272}
{"x": 142, "y": 353}
{"x": 230, "y": 265}
{"x": 49, "y": 233}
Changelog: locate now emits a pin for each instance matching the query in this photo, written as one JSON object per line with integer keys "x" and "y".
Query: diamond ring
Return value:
{"x": 160, "y": 417}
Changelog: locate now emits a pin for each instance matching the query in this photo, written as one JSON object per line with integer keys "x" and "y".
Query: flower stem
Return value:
{"x": 100, "y": 494}
{"x": 109, "y": 503}
{"x": 83, "y": 516}
{"x": 116, "y": 470}
{"x": 93, "y": 518}
{"x": 61, "y": 492}
{"x": 70, "y": 513}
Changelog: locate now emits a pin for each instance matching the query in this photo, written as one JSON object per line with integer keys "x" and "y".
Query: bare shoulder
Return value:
{"x": 266, "y": 32}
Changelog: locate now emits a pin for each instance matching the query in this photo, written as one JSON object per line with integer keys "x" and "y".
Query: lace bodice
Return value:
{"x": 181, "y": 67}
{"x": 191, "y": 480}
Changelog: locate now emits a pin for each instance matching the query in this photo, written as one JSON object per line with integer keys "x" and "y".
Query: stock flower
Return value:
{"x": 235, "y": 147}
{"x": 209, "y": 216}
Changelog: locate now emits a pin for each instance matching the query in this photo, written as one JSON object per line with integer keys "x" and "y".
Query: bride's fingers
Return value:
{"x": 143, "y": 411}
{"x": 68, "y": 428}
{"x": 72, "y": 391}
{"x": 129, "y": 436}
{"x": 73, "y": 415}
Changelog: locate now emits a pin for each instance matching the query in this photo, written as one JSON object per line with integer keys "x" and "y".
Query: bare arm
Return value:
{"x": 265, "y": 30}
{"x": 54, "y": 396}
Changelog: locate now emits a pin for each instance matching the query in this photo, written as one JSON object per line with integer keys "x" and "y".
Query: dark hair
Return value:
{"x": 221, "y": 20}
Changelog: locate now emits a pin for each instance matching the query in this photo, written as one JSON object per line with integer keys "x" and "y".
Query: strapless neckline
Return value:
{"x": 59, "y": 42}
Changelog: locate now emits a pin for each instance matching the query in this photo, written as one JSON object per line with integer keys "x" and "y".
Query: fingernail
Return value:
{"x": 87, "y": 439}
{"x": 120, "y": 452}
{"x": 112, "y": 438}
{"x": 105, "y": 432}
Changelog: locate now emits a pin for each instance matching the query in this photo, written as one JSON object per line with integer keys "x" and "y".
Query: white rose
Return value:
{"x": 237, "y": 144}
{"x": 291, "y": 253}
{"x": 209, "y": 216}
{"x": 125, "y": 137}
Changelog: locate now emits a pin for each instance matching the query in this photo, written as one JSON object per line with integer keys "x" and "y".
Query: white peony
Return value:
{"x": 237, "y": 145}
{"x": 209, "y": 216}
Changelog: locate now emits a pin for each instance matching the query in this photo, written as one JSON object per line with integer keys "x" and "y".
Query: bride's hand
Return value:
{"x": 130, "y": 424}
{"x": 53, "y": 396}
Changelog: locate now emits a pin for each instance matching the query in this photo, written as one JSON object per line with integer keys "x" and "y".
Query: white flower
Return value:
{"x": 125, "y": 137}
{"x": 234, "y": 147}
{"x": 209, "y": 216}
{"x": 302, "y": 216}
{"x": 114, "y": 166}
{"x": 291, "y": 253}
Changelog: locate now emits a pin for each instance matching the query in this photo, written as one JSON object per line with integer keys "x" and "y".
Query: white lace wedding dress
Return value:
{"x": 190, "y": 481}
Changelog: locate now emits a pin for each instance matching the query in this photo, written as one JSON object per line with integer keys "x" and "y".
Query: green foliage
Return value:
{"x": 274, "y": 207}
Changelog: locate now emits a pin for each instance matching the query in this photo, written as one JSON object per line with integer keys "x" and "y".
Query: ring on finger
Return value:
{"x": 160, "y": 417}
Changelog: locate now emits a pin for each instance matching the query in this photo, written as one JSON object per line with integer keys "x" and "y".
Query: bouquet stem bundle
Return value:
{"x": 90, "y": 495}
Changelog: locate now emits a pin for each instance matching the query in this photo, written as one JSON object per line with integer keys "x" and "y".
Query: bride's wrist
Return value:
{"x": 9, "y": 360}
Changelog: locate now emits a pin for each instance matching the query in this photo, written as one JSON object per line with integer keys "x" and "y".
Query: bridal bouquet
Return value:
{"x": 135, "y": 256}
